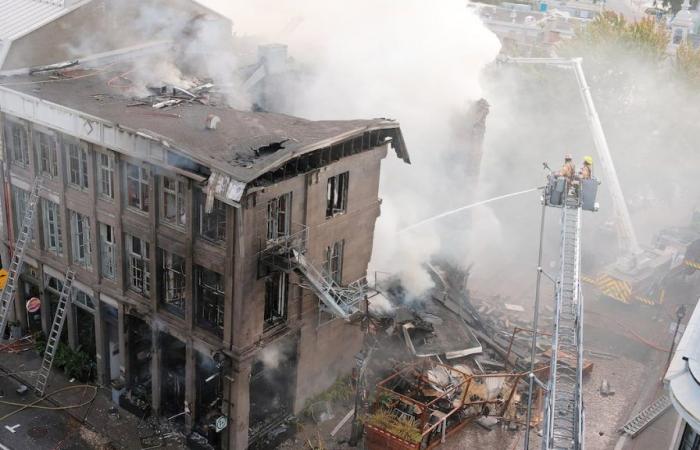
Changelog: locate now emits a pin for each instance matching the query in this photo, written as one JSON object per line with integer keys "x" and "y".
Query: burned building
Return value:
{"x": 219, "y": 253}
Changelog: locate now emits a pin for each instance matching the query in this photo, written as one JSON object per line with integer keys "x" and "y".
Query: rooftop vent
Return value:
{"x": 212, "y": 122}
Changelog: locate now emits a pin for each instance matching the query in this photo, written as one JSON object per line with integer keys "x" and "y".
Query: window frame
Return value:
{"x": 337, "y": 189}
{"x": 279, "y": 217}
{"x": 46, "y": 152}
{"x": 179, "y": 197}
{"x": 19, "y": 207}
{"x": 80, "y": 231}
{"x": 77, "y": 153}
{"x": 105, "y": 175}
{"x": 170, "y": 280}
{"x": 218, "y": 290}
{"x": 10, "y": 140}
{"x": 333, "y": 265}
{"x": 276, "y": 299}
{"x": 142, "y": 182}
{"x": 215, "y": 220}
{"x": 108, "y": 250}
{"x": 138, "y": 261}
{"x": 52, "y": 227}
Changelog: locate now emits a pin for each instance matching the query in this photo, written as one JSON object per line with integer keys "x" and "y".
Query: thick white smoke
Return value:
{"x": 415, "y": 61}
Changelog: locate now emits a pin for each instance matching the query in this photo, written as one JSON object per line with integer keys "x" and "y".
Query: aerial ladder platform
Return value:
{"x": 288, "y": 254}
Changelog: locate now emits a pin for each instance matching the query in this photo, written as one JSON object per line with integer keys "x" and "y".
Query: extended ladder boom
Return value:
{"x": 564, "y": 405}
{"x": 42, "y": 376}
{"x": 24, "y": 236}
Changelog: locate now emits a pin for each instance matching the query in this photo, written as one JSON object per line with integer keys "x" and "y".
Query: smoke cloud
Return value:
{"x": 416, "y": 61}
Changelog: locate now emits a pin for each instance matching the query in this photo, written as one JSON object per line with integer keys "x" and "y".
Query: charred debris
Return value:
{"x": 445, "y": 361}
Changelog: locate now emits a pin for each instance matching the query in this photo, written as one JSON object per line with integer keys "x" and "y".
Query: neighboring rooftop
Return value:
{"x": 244, "y": 145}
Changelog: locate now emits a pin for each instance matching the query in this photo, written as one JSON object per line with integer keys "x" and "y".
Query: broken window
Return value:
{"x": 20, "y": 198}
{"x": 137, "y": 179}
{"x": 171, "y": 279}
{"x": 138, "y": 258}
{"x": 77, "y": 163}
{"x": 276, "y": 299}
{"x": 108, "y": 248}
{"x": 105, "y": 174}
{"x": 211, "y": 226}
{"x": 82, "y": 299}
{"x": 337, "y": 194}
{"x": 16, "y": 143}
{"x": 210, "y": 299}
{"x": 334, "y": 261}
{"x": 80, "y": 239}
{"x": 47, "y": 154}
{"x": 173, "y": 204}
{"x": 52, "y": 227}
{"x": 279, "y": 215}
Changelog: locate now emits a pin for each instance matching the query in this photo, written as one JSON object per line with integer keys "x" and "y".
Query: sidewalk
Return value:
{"x": 100, "y": 424}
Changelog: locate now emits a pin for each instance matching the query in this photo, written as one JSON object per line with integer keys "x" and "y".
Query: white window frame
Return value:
{"x": 105, "y": 174}
{"x": 141, "y": 182}
{"x": 47, "y": 152}
{"x": 333, "y": 265}
{"x": 80, "y": 239}
{"x": 108, "y": 251}
{"x": 278, "y": 313}
{"x": 53, "y": 238}
{"x": 17, "y": 141}
{"x": 138, "y": 262}
{"x": 77, "y": 154}
{"x": 173, "y": 190}
{"x": 204, "y": 313}
{"x": 215, "y": 220}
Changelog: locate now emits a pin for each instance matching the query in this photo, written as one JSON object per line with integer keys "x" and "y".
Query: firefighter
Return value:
{"x": 568, "y": 170}
{"x": 587, "y": 168}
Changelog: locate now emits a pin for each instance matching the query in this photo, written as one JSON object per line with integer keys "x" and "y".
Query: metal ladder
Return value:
{"x": 25, "y": 234}
{"x": 564, "y": 408}
{"x": 646, "y": 416}
{"x": 42, "y": 376}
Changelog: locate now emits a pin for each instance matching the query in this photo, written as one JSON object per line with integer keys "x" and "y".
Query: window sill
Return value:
{"x": 138, "y": 211}
{"x": 173, "y": 226}
{"x": 275, "y": 327}
{"x": 211, "y": 329}
{"x": 336, "y": 215}
{"x": 79, "y": 188}
{"x": 105, "y": 197}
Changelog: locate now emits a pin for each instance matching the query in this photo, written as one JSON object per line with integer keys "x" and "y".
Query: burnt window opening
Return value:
{"x": 16, "y": 142}
{"x": 172, "y": 209}
{"x": 279, "y": 217}
{"x": 47, "y": 154}
{"x": 77, "y": 163}
{"x": 210, "y": 226}
{"x": 334, "y": 261}
{"x": 138, "y": 269}
{"x": 137, "y": 181}
{"x": 210, "y": 300}
{"x": 80, "y": 239}
{"x": 337, "y": 195}
{"x": 53, "y": 239}
{"x": 105, "y": 175}
{"x": 276, "y": 287}
{"x": 171, "y": 279}
{"x": 140, "y": 354}
{"x": 108, "y": 247}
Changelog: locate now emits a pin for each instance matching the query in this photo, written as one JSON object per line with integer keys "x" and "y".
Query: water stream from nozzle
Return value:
{"x": 462, "y": 208}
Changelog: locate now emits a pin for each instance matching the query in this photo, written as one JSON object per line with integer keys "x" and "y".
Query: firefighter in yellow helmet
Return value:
{"x": 587, "y": 168}
{"x": 568, "y": 170}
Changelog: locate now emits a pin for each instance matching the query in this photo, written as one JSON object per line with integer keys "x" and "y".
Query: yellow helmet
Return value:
{"x": 588, "y": 160}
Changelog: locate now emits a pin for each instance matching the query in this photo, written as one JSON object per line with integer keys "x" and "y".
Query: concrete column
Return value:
{"x": 156, "y": 362}
{"x": 101, "y": 353}
{"x": 239, "y": 406}
{"x": 190, "y": 386}
{"x": 124, "y": 369}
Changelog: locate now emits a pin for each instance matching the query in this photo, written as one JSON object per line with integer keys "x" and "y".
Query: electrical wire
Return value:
{"x": 35, "y": 403}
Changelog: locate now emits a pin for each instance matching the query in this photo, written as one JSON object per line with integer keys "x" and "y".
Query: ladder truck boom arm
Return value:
{"x": 628, "y": 237}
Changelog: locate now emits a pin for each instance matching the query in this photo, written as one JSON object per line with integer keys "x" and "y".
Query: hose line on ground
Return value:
{"x": 35, "y": 403}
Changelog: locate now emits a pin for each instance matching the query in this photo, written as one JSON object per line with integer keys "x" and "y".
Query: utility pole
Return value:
{"x": 680, "y": 314}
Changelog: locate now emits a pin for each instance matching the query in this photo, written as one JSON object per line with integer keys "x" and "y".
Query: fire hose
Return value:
{"x": 35, "y": 403}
